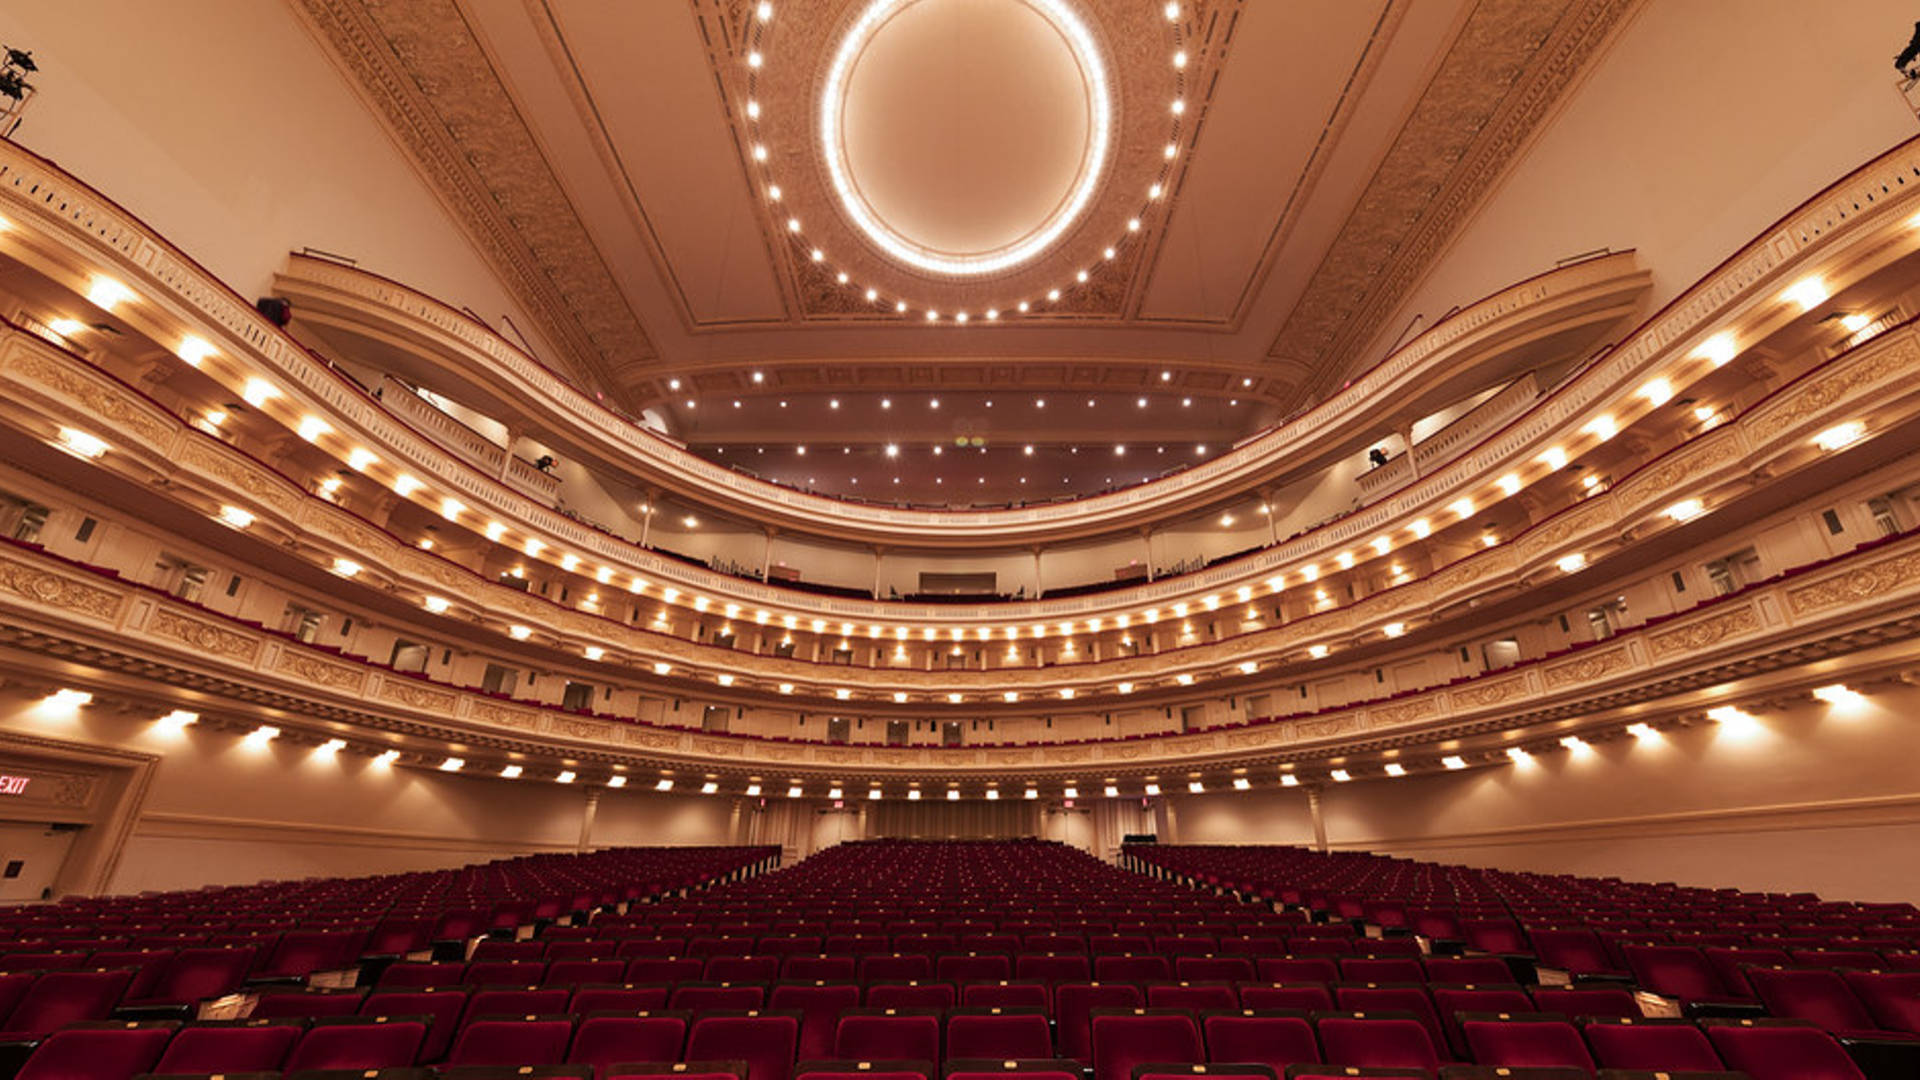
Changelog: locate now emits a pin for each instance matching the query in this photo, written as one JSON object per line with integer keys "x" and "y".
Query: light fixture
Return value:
{"x": 665, "y": 783}
{"x": 346, "y": 567}
{"x": 724, "y": 679}
{"x": 1518, "y": 756}
{"x": 359, "y": 458}
{"x": 235, "y": 517}
{"x": 752, "y": 792}
{"x": 661, "y": 667}
{"x": 262, "y": 735}
{"x": 993, "y": 794}
{"x": 1394, "y": 629}
{"x": 953, "y": 794}
{"x": 257, "y": 391}
{"x": 1840, "y": 435}
{"x": 1839, "y": 694}
{"x": 1809, "y": 292}
{"x": 1570, "y": 563}
{"x": 176, "y": 722}
{"x": 453, "y": 764}
{"x": 312, "y": 427}
{"x": 511, "y": 772}
{"x": 1577, "y": 745}
{"x": 1151, "y": 790}
{"x": 616, "y": 781}
{"x": 1340, "y": 776}
{"x": 1657, "y": 391}
{"x": 1508, "y": 484}
{"x": 1394, "y": 768}
{"x": 1643, "y": 731}
{"x": 1454, "y": 761}
{"x": 519, "y": 632}
{"x": 66, "y": 700}
{"x": 105, "y": 292}
{"x": 1317, "y": 651}
{"x": 1068, "y": 24}
{"x": 331, "y": 746}
{"x": 405, "y": 485}
{"x": 1685, "y": 510}
{"x": 913, "y": 794}
{"x": 80, "y": 444}
{"x": 1196, "y": 787}
{"x": 1289, "y": 780}
{"x": 1718, "y": 349}
{"x": 194, "y": 350}
{"x": 594, "y": 652}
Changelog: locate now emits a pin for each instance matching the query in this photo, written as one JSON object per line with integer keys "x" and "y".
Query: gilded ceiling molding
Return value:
{"x": 425, "y": 74}
{"x": 1505, "y": 71}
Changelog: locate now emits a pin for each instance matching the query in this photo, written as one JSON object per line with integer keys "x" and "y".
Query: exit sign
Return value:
{"x": 13, "y": 785}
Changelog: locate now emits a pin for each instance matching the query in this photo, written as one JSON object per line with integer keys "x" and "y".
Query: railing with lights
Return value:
{"x": 480, "y": 353}
{"x": 1771, "y": 433}
{"x": 240, "y": 662}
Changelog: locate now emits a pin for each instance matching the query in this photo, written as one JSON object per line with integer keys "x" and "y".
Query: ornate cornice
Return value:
{"x": 421, "y": 68}
{"x": 1505, "y": 71}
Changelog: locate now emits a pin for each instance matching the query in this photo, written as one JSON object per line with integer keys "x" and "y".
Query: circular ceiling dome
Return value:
{"x": 965, "y": 137}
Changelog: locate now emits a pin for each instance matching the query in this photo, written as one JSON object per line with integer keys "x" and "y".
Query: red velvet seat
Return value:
{"x": 1275, "y": 1038}
{"x": 1124, "y": 1038}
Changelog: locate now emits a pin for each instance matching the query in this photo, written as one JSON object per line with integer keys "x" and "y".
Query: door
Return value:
{"x": 30, "y": 859}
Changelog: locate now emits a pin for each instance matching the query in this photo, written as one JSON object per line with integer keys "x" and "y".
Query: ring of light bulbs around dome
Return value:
{"x": 1063, "y": 16}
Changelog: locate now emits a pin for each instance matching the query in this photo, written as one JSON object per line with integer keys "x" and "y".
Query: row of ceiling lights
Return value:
{"x": 1717, "y": 350}
{"x": 1737, "y": 722}
{"x": 886, "y": 403}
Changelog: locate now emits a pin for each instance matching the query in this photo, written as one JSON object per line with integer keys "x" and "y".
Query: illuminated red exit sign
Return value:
{"x": 13, "y": 785}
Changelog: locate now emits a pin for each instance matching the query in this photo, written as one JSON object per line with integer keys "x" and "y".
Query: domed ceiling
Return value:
{"x": 758, "y": 220}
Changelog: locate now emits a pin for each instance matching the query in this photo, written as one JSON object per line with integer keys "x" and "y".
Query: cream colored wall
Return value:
{"x": 226, "y": 128}
{"x": 1821, "y": 798}
{"x": 1699, "y": 126}
{"x": 219, "y": 811}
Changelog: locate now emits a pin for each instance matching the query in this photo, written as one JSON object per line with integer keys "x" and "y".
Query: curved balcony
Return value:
{"x": 1852, "y": 228}
{"x": 1868, "y": 385}
{"x": 1861, "y": 611}
{"x": 1575, "y": 302}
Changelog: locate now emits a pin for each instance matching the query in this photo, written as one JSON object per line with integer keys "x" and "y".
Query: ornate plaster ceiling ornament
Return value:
{"x": 1109, "y": 128}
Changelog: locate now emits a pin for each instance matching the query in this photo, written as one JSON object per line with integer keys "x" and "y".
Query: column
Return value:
{"x": 587, "y": 814}
{"x": 1037, "y": 587}
{"x": 1146, "y": 541}
{"x": 1319, "y": 818}
{"x": 879, "y": 554}
{"x": 646, "y": 523}
{"x": 766, "y": 557}
{"x": 506, "y": 458}
{"x": 1413, "y": 467}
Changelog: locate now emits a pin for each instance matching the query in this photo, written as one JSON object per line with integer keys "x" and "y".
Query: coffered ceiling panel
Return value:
{"x": 1268, "y": 131}
{"x": 670, "y": 150}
